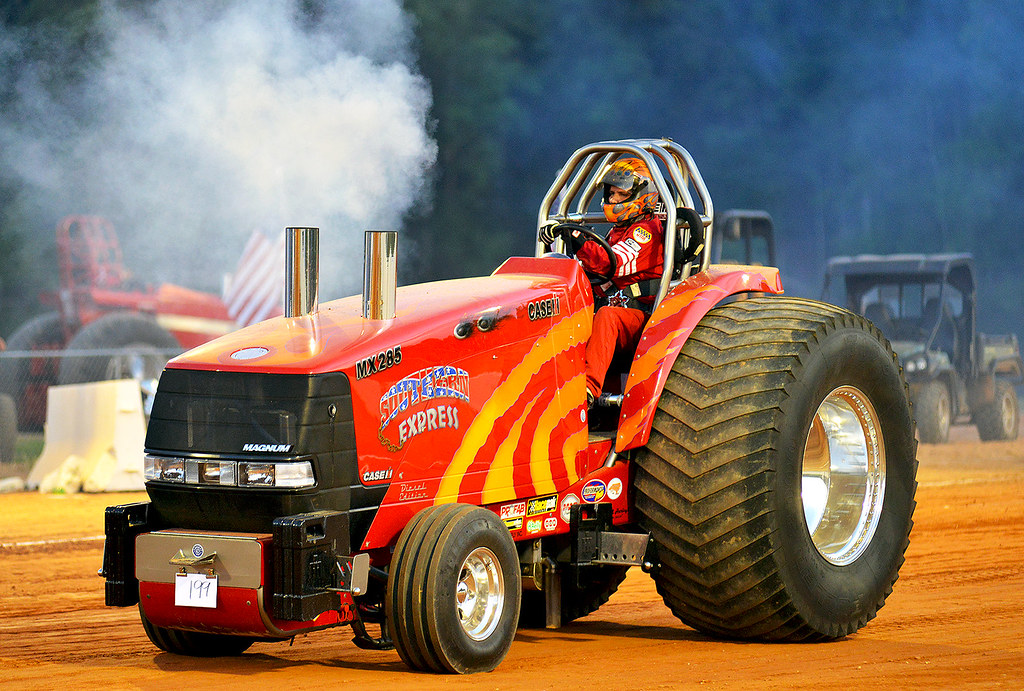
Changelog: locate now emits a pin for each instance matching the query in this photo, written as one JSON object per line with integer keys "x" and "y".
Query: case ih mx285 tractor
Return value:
{"x": 420, "y": 463}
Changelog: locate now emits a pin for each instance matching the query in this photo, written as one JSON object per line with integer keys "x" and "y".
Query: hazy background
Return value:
{"x": 876, "y": 126}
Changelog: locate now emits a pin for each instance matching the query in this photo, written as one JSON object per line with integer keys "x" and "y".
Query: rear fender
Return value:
{"x": 667, "y": 330}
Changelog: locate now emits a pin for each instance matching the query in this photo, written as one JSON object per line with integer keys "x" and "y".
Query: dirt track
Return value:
{"x": 955, "y": 620}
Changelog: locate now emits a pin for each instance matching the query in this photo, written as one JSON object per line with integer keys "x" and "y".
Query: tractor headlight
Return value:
{"x": 283, "y": 474}
{"x": 263, "y": 474}
{"x": 916, "y": 363}
{"x": 163, "y": 468}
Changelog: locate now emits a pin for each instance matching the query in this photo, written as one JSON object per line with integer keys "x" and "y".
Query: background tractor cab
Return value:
{"x": 744, "y": 236}
{"x": 926, "y": 306}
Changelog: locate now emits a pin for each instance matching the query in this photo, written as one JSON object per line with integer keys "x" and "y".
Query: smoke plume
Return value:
{"x": 192, "y": 124}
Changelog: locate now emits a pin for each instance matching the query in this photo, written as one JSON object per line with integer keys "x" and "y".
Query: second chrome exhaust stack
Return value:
{"x": 380, "y": 281}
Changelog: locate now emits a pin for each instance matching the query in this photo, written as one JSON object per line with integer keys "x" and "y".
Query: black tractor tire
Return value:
{"x": 26, "y": 379}
{"x": 150, "y": 347}
{"x": 1000, "y": 420}
{"x": 8, "y": 428}
{"x": 738, "y": 487}
{"x": 194, "y": 643}
{"x": 933, "y": 410}
{"x": 596, "y": 585}
{"x": 454, "y": 590}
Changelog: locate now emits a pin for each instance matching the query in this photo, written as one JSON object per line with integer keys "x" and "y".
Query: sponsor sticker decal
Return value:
{"x": 514, "y": 523}
{"x": 512, "y": 510}
{"x": 567, "y": 502}
{"x": 550, "y": 523}
{"x": 541, "y": 505}
{"x": 422, "y": 402}
{"x": 594, "y": 491}
{"x": 614, "y": 488}
{"x": 197, "y": 550}
{"x": 533, "y": 525}
{"x": 642, "y": 235}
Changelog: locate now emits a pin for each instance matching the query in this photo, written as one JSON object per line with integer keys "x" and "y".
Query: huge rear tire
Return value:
{"x": 999, "y": 421}
{"x": 147, "y": 346}
{"x": 26, "y": 379}
{"x": 934, "y": 412}
{"x": 194, "y": 643}
{"x": 454, "y": 590}
{"x": 779, "y": 480}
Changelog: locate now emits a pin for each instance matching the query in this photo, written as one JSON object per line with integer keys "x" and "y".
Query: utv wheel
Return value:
{"x": 27, "y": 379}
{"x": 598, "y": 583}
{"x": 1000, "y": 421}
{"x": 933, "y": 412}
{"x": 453, "y": 590}
{"x": 779, "y": 480}
{"x": 194, "y": 643}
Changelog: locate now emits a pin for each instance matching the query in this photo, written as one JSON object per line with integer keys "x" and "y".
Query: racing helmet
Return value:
{"x": 630, "y": 174}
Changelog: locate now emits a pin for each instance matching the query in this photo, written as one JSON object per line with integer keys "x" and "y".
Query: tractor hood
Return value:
{"x": 448, "y": 320}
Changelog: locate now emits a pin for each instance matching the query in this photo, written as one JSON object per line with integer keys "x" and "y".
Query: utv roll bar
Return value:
{"x": 579, "y": 181}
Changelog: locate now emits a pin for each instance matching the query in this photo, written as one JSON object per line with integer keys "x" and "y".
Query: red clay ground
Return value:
{"x": 955, "y": 620}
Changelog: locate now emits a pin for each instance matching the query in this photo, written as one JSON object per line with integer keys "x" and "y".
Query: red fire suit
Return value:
{"x": 639, "y": 251}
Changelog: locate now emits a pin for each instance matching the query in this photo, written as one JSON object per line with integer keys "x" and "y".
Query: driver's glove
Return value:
{"x": 548, "y": 233}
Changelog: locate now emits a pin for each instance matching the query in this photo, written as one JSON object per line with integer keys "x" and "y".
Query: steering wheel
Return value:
{"x": 589, "y": 234}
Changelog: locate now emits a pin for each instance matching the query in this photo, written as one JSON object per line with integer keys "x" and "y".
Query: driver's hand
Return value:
{"x": 548, "y": 233}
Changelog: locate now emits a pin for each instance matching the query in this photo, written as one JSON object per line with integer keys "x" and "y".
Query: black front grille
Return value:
{"x": 203, "y": 414}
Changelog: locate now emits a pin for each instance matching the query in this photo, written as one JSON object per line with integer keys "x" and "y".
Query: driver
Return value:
{"x": 637, "y": 240}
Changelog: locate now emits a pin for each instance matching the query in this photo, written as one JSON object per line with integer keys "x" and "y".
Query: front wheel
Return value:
{"x": 778, "y": 483}
{"x": 454, "y": 590}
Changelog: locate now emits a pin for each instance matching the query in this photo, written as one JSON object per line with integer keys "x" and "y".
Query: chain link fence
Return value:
{"x": 27, "y": 375}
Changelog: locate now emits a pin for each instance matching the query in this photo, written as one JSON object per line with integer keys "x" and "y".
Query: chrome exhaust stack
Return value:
{"x": 301, "y": 271}
{"x": 380, "y": 274}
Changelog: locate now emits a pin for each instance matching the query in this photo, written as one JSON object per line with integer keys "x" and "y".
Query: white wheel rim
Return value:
{"x": 1007, "y": 412}
{"x": 843, "y": 475}
{"x": 480, "y": 594}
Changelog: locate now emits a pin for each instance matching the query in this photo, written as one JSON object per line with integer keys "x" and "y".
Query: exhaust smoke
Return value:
{"x": 191, "y": 124}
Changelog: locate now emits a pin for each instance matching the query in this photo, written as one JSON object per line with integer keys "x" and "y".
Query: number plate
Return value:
{"x": 195, "y": 590}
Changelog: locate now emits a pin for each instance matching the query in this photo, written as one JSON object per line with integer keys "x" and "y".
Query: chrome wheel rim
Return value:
{"x": 843, "y": 475}
{"x": 480, "y": 594}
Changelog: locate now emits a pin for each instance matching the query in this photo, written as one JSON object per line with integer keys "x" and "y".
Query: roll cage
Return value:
{"x": 675, "y": 176}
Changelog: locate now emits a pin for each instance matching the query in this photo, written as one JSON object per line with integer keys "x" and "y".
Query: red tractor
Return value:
{"x": 423, "y": 459}
{"x": 111, "y": 326}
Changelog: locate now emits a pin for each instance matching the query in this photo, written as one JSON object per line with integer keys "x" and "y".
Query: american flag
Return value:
{"x": 256, "y": 290}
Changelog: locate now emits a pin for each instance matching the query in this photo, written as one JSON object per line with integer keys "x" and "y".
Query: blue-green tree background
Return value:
{"x": 878, "y": 126}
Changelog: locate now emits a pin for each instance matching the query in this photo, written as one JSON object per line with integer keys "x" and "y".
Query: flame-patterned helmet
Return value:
{"x": 632, "y": 175}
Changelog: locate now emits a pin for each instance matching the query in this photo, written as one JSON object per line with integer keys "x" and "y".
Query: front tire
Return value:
{"x": 779, "y": 480}
{"x": 454, "y": 590}
{"x": 1000, "y": 420}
